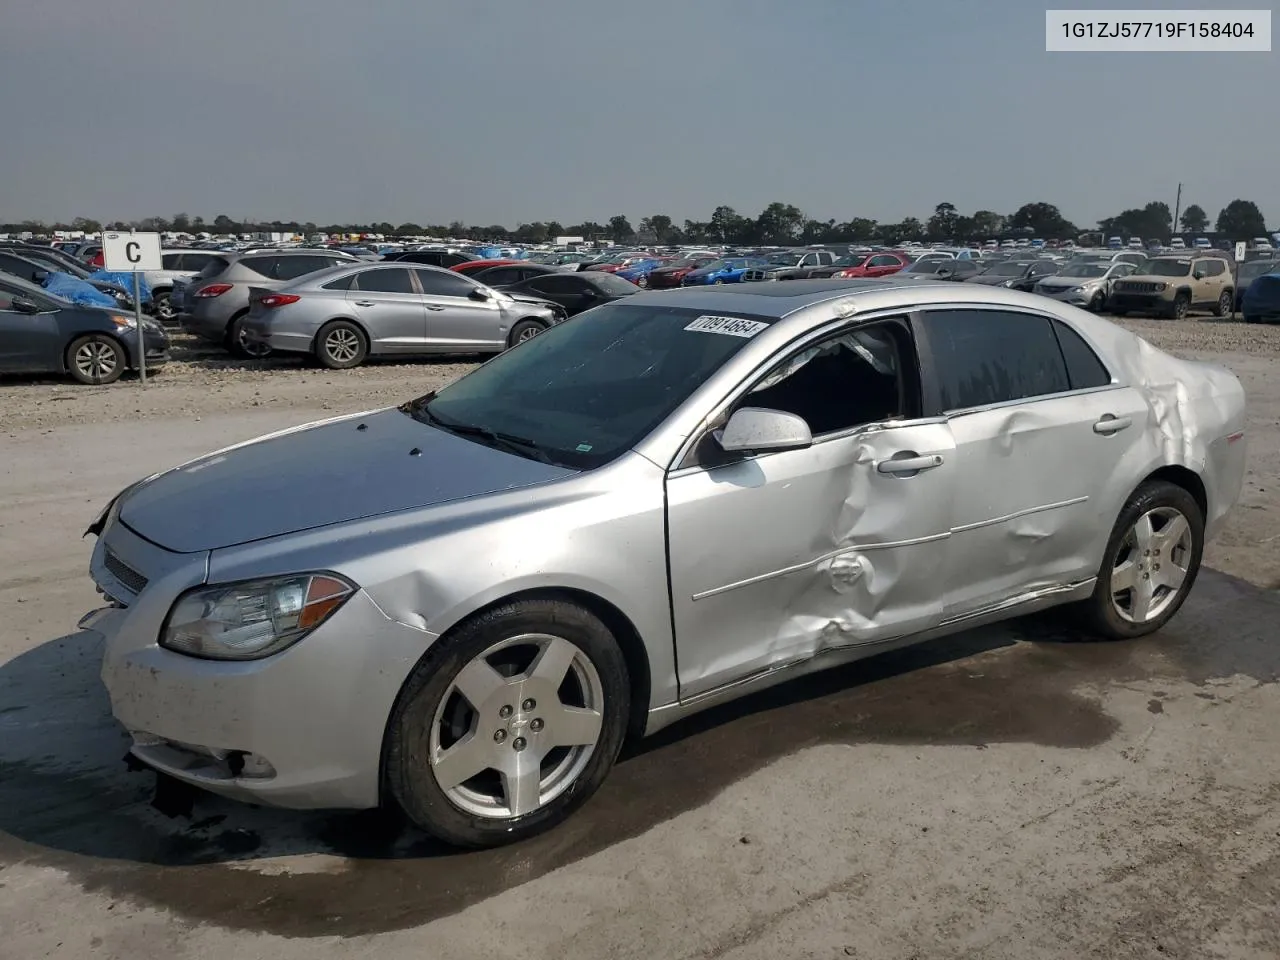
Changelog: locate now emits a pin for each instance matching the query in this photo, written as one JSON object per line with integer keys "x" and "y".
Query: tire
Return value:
{"x": 1160, "y": 502}
{"x": 642, "y": 282}
{"x": 717, "y": 282}
{"x": 1224, "y": 305}
{"x": 239, "y": 346}
{"x": 161, "y": 308}
{"x": 1181, "y": 306}
{"x": 341, "y": 345}
{"x": 1098, "y": 303}
{"x": 524, "y": 330}
{"x": 497, "y": 655}
{"x": 96, "y": 359}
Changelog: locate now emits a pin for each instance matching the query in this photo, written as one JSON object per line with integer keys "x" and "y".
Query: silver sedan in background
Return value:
{"x": 464, "y": 605}
{"x": 1084, "y": 283}
{"x": 343, "y": 315}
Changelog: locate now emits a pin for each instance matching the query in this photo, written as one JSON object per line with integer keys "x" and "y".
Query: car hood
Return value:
{"x": 529, "y": 298}
{"x": 319, "y": 474}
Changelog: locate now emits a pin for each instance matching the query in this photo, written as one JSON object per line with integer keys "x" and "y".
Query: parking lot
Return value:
{"x": 1001, "y": 793}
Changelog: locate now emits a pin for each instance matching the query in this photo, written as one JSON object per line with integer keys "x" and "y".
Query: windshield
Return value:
{"x": 1168, "y": 268}
{"x": 614, "y": 285}
{"x": 715, "y": 265}
{"x": 1083, "y": 270}
{"x": 785, "y": 259}
{"x": 1008, "y": 269}
{"x": 852, "y": 260}
{"x": 586, "y": 390}
{"x": 924, "y": 266}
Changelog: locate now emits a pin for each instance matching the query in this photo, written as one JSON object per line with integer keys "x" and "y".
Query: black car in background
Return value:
{"x": 1017, "y": 274}
{"x": 432, "y": 258}
{"x": 1250, "y": 271}
{"x": 40, "y": 333}
{"x": 506, "y": 274}
{"x": 575, "y": 291}
{"x": 946, "y": 269}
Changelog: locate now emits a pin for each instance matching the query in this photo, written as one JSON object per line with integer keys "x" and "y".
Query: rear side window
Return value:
{"x": 262, "y": 266}
{"x": 391, "y": 280}
{"x": 1084, "y": 369}
{"x": 993, "y": 356}
{"x": 342, "y": 283}
{"x": 212, "y": 267}
{"x": 497, "y": 275}
{"x": 292, "y": 267}
{"x": 558, "y": 285}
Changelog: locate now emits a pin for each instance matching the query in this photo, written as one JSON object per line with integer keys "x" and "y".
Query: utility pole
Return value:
{"x": 1177, "y": 208}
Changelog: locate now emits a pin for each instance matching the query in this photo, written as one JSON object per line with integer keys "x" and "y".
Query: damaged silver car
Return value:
{"x": 465, "y": 604}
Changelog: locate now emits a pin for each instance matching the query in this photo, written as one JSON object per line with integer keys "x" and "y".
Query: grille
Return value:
{"x": 1137, "y": 286}
{"x": 128, "y": 576}
{"x": 753, "y": 275}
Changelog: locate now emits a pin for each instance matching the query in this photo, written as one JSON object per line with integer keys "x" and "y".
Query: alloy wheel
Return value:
{"x": 95, "y": 360}
{"x": 1151, "y": 565}
{"x": 517, "y": 726}
{"x": 342, "y": 345}
{"x": 251, "y": 348}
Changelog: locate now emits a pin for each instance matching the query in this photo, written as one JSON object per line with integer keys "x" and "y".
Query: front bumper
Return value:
{"x": 1075, "y": 298}
{"x": 301, "y": 729}
{"x": 1139, "y": 302}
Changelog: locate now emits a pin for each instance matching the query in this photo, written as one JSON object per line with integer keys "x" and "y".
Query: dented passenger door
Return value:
{"x": 779, "y": 556}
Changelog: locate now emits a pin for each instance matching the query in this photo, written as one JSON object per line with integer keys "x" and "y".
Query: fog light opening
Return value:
{"x": 242, "y": 763}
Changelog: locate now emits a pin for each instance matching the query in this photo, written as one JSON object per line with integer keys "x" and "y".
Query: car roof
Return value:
{"x": 782, "y": 298}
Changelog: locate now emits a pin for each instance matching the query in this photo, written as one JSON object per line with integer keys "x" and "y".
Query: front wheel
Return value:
{"x": 96, "y": 359}
{"x": 340, "y": 345}
{"x": 508, "y": 724}
{"x": 1181, "y": 307}
{"x": 1098, "y": 302}
{"x": 524, "y": 330}
{"x": 1150, "y": 564}
{"x": 718, "y": 282}
{"x": 1224, "y": 304}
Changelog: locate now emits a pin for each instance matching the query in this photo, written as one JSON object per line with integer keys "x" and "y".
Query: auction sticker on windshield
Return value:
{"x": 730, "y": 326}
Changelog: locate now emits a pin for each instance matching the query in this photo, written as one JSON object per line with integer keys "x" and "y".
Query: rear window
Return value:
{"x": 613, "y": 284}
{"x": 290, "y": 267}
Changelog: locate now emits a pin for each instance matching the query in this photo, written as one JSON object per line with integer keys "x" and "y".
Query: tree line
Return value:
{"x": 777, "y": 224}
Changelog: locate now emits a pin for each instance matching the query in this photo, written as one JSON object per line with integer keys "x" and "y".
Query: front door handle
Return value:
{"x": 434, "y": 307}
{"x": 365, "y": 303}
{"x": 909, "y": 464}
{"x": 1109, "y": 425}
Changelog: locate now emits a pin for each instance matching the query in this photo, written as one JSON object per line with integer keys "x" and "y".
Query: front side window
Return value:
{"x": 982, "y": 357}
{"x": 852, "y": 379}
{"x": 584, "y": 391}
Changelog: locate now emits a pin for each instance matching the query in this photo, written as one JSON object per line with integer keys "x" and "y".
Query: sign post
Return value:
{"x": 134, "y": 253}
{"x": 1241, "y": 250}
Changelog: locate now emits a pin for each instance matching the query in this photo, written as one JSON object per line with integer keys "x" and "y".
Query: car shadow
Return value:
{"x": 68, "y": 798}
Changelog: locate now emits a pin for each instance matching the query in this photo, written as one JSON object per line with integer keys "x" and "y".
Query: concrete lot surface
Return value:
{"x": 1006, "y": 793}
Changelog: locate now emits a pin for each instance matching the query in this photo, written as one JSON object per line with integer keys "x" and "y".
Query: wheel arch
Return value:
{"x": 1188, "y": 480}
{"x": 624, "y": 631}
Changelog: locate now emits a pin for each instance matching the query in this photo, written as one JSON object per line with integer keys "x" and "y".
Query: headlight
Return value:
{"x": 1161, "y": 286}
{"x": 1076, "y": 290}
{"x": 123, "y": 322}
{"x": 252, "y": 619}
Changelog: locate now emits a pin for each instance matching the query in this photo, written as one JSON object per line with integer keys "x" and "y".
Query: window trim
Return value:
{"x": 686, "y": 458}
{"x": 929, "y": 364}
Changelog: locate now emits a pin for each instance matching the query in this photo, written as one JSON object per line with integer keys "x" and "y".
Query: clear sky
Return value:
{"x": 500, "y": 111}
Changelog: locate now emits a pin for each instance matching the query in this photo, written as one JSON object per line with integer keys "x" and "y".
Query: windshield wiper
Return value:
{"x": 521, "y": 446}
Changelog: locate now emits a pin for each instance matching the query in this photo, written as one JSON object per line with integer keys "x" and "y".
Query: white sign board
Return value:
{"x": 129, "y": 252}
{"x": 1240, "y": 249}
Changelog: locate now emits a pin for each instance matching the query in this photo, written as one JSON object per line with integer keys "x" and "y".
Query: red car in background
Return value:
{"x": 875, "y": 265}
{"x": 672, "y": 274}
{"x": 471, "y": 266}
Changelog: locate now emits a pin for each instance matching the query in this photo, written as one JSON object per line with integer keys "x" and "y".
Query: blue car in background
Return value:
{"x": 1250, "y": 271}
{"x": 1262, "y": 299}
{"x": 728, "y": 270}
{"x": 638, "y": 272}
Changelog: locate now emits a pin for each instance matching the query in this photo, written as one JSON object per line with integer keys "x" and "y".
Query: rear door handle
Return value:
{"x": 1109, "y": 425}
{"x": 365, "y": 303}
{"x": 433, "y": 307}
{"x": 909, "y": 464}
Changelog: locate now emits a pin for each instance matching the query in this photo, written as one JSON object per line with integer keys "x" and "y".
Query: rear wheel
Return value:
{"x": 508, "y": 724}
{"x": 525, "y": 330}
{"x": 162, "y": 306}
{"x": 96, "y": 359}
{"x": 717, "y": 281}
{"x": 340, "y": 345}
{"x": 1150, "y": 564}
{"x": 240, "y": 345}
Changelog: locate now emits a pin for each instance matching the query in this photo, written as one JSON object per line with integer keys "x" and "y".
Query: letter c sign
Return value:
{"x": 131, "y": 252}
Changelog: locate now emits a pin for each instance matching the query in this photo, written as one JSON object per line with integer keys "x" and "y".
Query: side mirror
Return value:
{"x": 39, "y": 276}
{"x": 23, "y": 305}
{"x": 759, "y": 430}
{"x": 478, "y": 294}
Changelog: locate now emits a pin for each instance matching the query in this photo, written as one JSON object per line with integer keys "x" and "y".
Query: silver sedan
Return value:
{"x": 1084, "y": 284}
{"x": 345, "y": 314}
{"x": 465, "y": 604}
